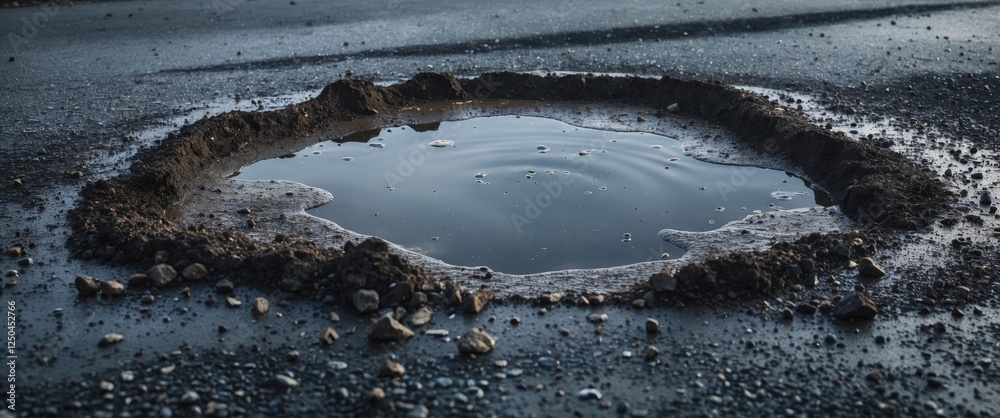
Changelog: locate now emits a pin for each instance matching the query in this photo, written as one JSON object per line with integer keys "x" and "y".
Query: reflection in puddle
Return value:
{"x": 526, "y": 194}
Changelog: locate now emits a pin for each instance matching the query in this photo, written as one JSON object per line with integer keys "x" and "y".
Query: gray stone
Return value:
{"x": 664, "y": 281}
{"x": 395, "y": 295}
{"x": 652, "y": 326}
{"x": 86, "y": 286}
{"x": 196, "y": 271}
{"x": 476, "y": 341}
{"x": 597, "y": 318}
{"x": 224, "y": 286}
{"x": 855, "y": 306}
{"x": 110, "y": 339}
{"x": 284, "y": 382}
{"x": 869, "y": 268}
{"x": 651, "y": 353}
{"x": 387, "y": 328}
{"x": 589, "y": 393}
{"x": 985, "y": 199}
{"x": 421, "y": 317}
{"x": 161, "y": 274}
{"x": 365, "y": 300}
{"x": 550, "y": 298}
{"x": 475, "y": 302}
{"x": 189, "y": 397}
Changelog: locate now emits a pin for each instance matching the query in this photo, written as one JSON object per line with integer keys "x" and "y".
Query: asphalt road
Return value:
{"x": 80, "y": 83}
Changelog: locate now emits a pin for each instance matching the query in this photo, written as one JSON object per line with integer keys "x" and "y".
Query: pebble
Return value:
{"x": 476, "y": 341}
{"x": 284, "y": 382}
{"x": 639, "y": 303}
{"x": 365, "y": 301}
{"x": 441, "y": 143}
{"x": 985, "y": 199}
{"x": 243, "y": 211}
{"x": 329, "y": 336}
{"x": 673, "y": 108}
{"x": 870, "y": 269}
{"x": 148, "y": 299}
{"x": 387, "y": 328}
{"x": 391, "y": 368}
{"x": 113, "y": 288}
{"x": 377, "y": 395}
{"x": 475, "y": 302}
{"x": 652, "y": 326}
{"x": 25, "y": 262}
{"x": 589, "y": 393}
{"x": 196, "y": 271}
{"x": 86, "y": 286}
{"x": 224, "y": 286}
{"x": 421, "y": 317}
{"x": 233, "y": 302}
{"x": 110, "y": 339}
{"x": 189, "y": 397}
{"x": 805, "y": 308}
{"x": 855, "y": 306}
{"x": 597, "y": 318}
{"x": 260, "y": 306}
{"x": 161, "y": 274}
{"x": 664, "y": 281}
{"x": 651, "y": 353}
{"x": 550, "y": 298}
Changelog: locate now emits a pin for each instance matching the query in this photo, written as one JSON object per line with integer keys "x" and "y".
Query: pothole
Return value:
{"x": 528, "y": 194}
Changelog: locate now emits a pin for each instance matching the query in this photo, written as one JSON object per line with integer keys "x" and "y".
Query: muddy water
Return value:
{"x": 528, "y": 194}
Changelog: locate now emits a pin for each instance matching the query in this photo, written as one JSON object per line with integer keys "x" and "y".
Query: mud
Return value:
{"x": 127, "y": 219}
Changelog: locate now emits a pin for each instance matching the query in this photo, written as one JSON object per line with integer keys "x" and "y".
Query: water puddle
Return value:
{"x": 528, "y": 194}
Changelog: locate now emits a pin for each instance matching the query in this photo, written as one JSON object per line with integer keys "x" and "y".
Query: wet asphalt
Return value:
{"x": 82, "y": 83}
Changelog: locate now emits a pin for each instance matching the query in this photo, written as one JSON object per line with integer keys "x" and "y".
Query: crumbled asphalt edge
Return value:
{"x": 121, "y": 220}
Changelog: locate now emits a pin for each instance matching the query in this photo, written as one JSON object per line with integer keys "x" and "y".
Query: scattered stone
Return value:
{"x": 550, "y": 298}
{"x": 476, "y": 341}
{"x": 377, "y": 395}
{"x": 86, "y": 286}
{"x": 161, "y": 274}
{"x": 664, "y": 281}
{"x": 418, "y": 299}
{"x": 672, "y": 108}
{"x": 597, "y": 318}
{"x": 855, "y": 306}
{"x": 437, "y": 333}
{"x": 651, "y": 353}
{"x": 15, "y": 251}
{"x": 475, "y": 302}
{"x": 329, "y": 336}
{"x": 138, "y": 279}
{"x": 589, "y": 393}
{"x": 957, "y": 312}
{"x": 283, "y": 382}
{"x": 113, "y": 288}
{"x": 639, "y": 303}
{"x": 582, "y": 301}
{"x": 870, "y": 269}
{"x": 805, "y": 308}
{"x": 25, "y": 262}
{"x": 224, "y": 286}
{"x": 985, "y": 199}
{"x": 387, "y": 328}
{"x": 652, "y": 326}
{"x": 260, "y": 306}
{"x": 196, "y": 271}
{"x": 787, "y": 314}
{"x": 189, "y": 397}
{"x": 365, "y": 300}
{"x": 110, "y": 339}
{"x": 596, "y": 300}
{"x": 148, "y": 299}
{"x": 515, "y": 321}
{"x": 421, "y": 317}
{"x": 391, "y": 368}
{"x": 243, "y": 211}
{"x": 233, "y": 302}
{"x": 293, "y": 355}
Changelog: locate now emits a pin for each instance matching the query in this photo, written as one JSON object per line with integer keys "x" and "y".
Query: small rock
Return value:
{"x": 113, "y": 288}
{"x": 651, "y": 353}
{"x": 138, "y": 279}
{"x": 329, "y": 336}
{"x": 652, "y": 326}
{"x": 365, "y": 300}
{"x": 596, "y": 300}
{"x": 15, "y": 251}
{"x": 293, "y": 355}
{"x": 189, "y": 397}
{"x": 25, "y": 262}
{"x": 421, "y": 317}
{"x": 391, "y": 368}
{"x": 805, "y": 308}
{"x": 161, "y": 274}
{"x": 110, "y": 339}
{"x": 589, "y": 393}
{"x": 855, "y": 306}
{"x": 597, "y": 318}
{"x": 259, "y": 306}
{"x": 476, "y": 341}
{"x": 148, "y": 299}
{"x": 196, "y": 271}
{"x": 639, "y": 303}
{"x": 582, "y": 301}
{"x": 233, "y": 302}
{"x": 869, "y": 268}
{"x": 224, "y": 286}
{"x": 672, "y": 108}
{"x": 377, "y": 395}
{"x": 243, "y": 211}
{"x": 283, "y": 382}
{"x": 475, "y": 302}
{"x": 985, "y": 199}
{"x": 664, "y": 281}
{"x": 86, "y": 286}
{"x": 387, "y": 328}
{"x": 550, "y": 298}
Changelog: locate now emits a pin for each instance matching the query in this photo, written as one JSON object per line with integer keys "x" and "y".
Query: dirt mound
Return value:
{"x": 124, "y": 219}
